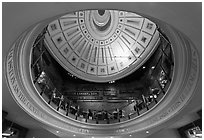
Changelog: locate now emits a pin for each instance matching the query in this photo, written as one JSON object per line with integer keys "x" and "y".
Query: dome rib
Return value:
{"x": 124, "y": 44}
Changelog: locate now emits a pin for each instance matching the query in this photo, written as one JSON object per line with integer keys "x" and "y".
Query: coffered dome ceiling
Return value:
{"x": 101, "y": 45}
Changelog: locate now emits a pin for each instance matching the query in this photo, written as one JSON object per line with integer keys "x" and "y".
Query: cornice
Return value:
{"x": 181, "y": 90}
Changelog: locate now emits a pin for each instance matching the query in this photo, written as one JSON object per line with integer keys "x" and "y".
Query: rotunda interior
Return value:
{"x": 139, "y": 59}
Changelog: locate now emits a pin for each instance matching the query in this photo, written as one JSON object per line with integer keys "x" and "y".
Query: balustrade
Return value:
{"x": 135, "y": 108}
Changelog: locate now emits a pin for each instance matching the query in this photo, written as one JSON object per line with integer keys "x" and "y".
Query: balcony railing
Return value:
{"x": 160, "y": 74}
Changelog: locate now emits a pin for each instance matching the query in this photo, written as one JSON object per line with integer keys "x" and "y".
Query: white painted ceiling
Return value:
{"x": 17, "y": 17}
{"x": 101, "y": 53}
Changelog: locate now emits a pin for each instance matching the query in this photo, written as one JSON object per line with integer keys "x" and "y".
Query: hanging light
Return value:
{"x": 8, "y": 132}
{"x": 54, "y": 93}
{"x": 112, "y": 82}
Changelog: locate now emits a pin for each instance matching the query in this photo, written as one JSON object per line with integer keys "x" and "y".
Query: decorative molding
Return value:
{"x": 133, "y": 39}
{"x": 176, "y": 99}
{"x": 14, "y": 85}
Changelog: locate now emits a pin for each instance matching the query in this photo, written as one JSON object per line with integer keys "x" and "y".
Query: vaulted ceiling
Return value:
{"x": 17, "y": 17}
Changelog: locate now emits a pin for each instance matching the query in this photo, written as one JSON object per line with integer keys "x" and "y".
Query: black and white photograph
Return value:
{"x": 94, "y": 70}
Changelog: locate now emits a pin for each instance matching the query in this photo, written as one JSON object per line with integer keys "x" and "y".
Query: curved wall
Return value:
{"x": 177, "y": 12}
{"x": 182, "y": 87}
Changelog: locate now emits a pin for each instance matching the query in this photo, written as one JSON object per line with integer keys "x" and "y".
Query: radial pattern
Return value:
{"x": 102, "y": 45}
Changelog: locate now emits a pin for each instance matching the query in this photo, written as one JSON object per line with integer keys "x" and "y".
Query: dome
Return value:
{"x": 101, "y": 45}
{"x": 102, "y": 72}
{"x": 102, "y": 62}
